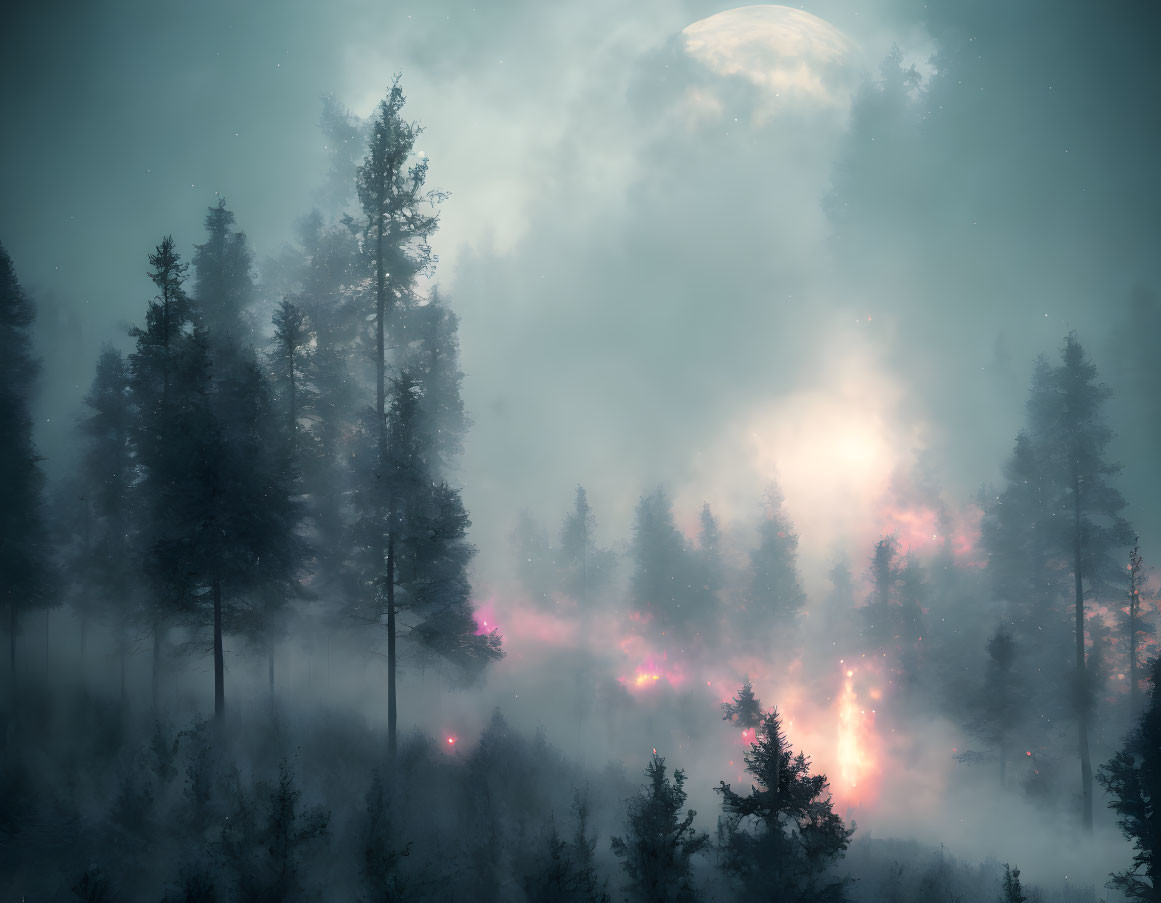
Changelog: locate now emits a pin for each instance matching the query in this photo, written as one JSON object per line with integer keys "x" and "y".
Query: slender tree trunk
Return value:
{"x": 156, "y": 660}
{"x": 219, "y": 663}
{"x": 392, "y": 708}
{"x": 270, "y": 671}
{"x": 1134, "y": 608}
{"x": 380, "y": 313}
{"x": 84, "y": 623}
{"x": 1081, "y": 676}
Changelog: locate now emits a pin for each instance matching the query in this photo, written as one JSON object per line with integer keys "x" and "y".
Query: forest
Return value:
{"x": 260, "y": 649}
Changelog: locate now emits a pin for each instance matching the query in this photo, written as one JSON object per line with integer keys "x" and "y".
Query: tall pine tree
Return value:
{"x": 1066, "y": 423}
{"x": 23, "y": 539}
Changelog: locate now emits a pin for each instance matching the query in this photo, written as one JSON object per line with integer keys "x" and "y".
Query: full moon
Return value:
{"x": 794, "y": 57}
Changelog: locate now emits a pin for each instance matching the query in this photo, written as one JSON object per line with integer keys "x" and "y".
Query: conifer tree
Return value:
{"x": 782, "y": 840}
{"x": 1135, "y": 626}
{"x": 1133, "y": 780}
{"x": 420, "y": 582}
{"x": 167, "y": 407}
{"x": 775, "y": 596}
{"x": 999, "y": 708}
{"x": 396, "y": 227}
{"x": 745, "y": 710}
{"x": 1066, "y": 421}
{"x": 224, "y": 286}
{"x": 665, "y": 583}
{"x": 709, "y": 551}
{"x": 657, "y": 849}
{"x": 431, "y": 332}
{"x": 879, "y": 612}
{"x": 23, "y": 538}
{"x": 107, "y": 567}
{"x": 1013, "y": 889}
{"x": 576, "y": 540}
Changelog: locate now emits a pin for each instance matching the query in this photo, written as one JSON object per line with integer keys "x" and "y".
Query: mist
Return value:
{"x": 443, "y": 446}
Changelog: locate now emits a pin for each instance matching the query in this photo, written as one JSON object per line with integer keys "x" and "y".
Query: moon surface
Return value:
{"x": 796, "y": 58}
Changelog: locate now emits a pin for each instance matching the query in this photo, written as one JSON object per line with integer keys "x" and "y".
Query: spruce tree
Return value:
{"x": 999, "y": 707}
{"x": 23, "y": 537}
{"x": 224, "y": 287}
{"x": 396, "y": 228}
{"x": 783, "y": 838}
{"x": 665, "y": 584}
{"x": 745, "y": 710}
{"x": 775, "y": 597}
{"x": 108, "y": 566}
{"x": 420, "y": 580}
{"x": 576, "y": 541}
{"x": 709, "y": 551}
{"x": 1013, "y": 889}
{"x": 1135, "y": 626}
{"x": 1066, "y": 421}
{"x": 657, "y": 849}
{"x": 1133, "y": 780}
{"x": 167, "y": 408}
{"x": 880, "y": 612}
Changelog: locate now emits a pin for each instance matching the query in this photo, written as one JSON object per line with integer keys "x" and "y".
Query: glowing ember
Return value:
{"x": 854, "y": 762}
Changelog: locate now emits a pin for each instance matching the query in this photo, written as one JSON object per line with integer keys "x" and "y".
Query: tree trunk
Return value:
{"x": 392, "y": 709}
{"x": 219, "y": 664}
{"x": 12, "y": 640}
{"x": 380, "y": 313}
{"x": 1134, "y": 606}
{"x": 84, "y": 623}
{"x": 270, "y": 671}
{"x": 1081, "y": 677}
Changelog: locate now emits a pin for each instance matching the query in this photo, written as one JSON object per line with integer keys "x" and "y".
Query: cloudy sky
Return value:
{"x": 709, "y": 254}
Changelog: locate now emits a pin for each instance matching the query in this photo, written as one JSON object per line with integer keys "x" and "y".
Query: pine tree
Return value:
{"x": 1135, "y": 626}
{"x": 657, "y": 850}
{"x": 420, "y": 525}
{"x": 108, "y": 565}
{"x": 1065, "y": 413}
{"x": 396, "y": 228}
{"x": 665, "y": 584}
{"x": 745, "y": 710}
{"x": 709, "y": 551}
{"x": 775, "y": 596}
{"x": 1024, "y": 572}
{"x": 565, "y": 871}
{"x": 1013, "y": 890}
{"x": 584, "y": 568}
{"x": 782, "y": 840}
{"x": 999, "y": 708}
{"x": 880, "y": 611}
{"x": 292, "y": 335}
{"x": 247, "y": 550}
{"x": 1133, "y": 779}
{"x": 912, "y": 593}
{"x": 381, "y": 852}
{"x": 167, "y": 407}
{"x": 576, "y": 540}
{"x": 224, "y": 286}
{"x": 23, "y": 538}
{"x": 431, "y": 333}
